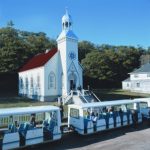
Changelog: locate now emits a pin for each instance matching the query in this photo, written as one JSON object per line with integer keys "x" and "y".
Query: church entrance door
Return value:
{"x": 72, "y": 80}
{"x": 72, "y": 85}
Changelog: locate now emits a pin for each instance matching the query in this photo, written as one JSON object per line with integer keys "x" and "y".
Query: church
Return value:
{"x": 55, "y": 72}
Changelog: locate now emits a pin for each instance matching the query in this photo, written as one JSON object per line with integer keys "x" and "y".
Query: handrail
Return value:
{"x": 83, "y": 96}
{"x": 66, "y": 97}
{"x": 95, "y": 96}
{"x": 70, "y": 95}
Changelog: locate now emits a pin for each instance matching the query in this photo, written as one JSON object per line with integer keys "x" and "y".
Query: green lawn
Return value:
{"x": 117, "y": 94}
{"x": 103, "y": 94}
{"x": 21, "y": 102}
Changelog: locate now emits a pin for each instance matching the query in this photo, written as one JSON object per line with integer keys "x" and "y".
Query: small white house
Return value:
{"x": 55, "y": 72}
{"x": 139, "y": 80}
{"x": 126, "y": 84}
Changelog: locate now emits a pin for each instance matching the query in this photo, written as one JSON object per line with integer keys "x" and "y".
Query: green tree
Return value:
{"x": 111, "y": 63}
{"x": 85, "y": 47}
{"x": 16, "y": 47}
{"x": 12, "y": 50}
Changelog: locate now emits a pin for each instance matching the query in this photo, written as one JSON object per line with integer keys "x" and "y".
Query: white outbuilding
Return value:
{"x": 55, "y": 72}
{"x": 139, "y": 80}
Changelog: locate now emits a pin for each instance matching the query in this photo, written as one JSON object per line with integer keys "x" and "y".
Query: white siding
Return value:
{"x": 36, "y": 91}
{"x": 52, "y": 67}
{"x": 140, "y": 86}
{"x": 142, "y": 76}
{"x": 80, "y": 76}
{"x": 126, "y": 85}
{"x": 65, "y": 46}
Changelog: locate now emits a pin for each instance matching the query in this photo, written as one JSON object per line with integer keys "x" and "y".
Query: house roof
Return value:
{"x": 39, "y": 60}
{"x": 143, "y": 69}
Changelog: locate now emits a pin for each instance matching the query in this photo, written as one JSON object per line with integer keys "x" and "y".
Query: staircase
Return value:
{"x": 80, "y": 97}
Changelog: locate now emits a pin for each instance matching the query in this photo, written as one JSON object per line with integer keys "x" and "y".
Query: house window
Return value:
{"x": 148, "y": 75}
{"x": 127, "y": 84}
{"x": 21, "y": 83}
{"x": 136, "y": 76}
{"x": 38, "y": 81}
{"x": 138, "y": 85}
{"x": 31, "y": 82}
{"x": 51, "y": 81}
{"x": 26, "y": 82}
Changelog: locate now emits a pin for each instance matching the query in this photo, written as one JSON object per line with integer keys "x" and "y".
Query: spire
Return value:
{"x": 66, "y": 10}
{"x": 67, "y": 27}
{"x": 66, "y": 21}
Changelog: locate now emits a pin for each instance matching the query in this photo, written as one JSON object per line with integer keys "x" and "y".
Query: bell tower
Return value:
{"x": 67, "y": 43}
{"x": 66, "y": 21}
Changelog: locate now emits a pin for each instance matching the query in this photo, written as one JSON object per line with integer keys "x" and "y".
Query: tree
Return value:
{"x": 97, "y": 65}
{"x": 85, "y": 47}
{"x": 12, "y": 50}
{"x": 111, "y": 63}
{"x": 16, "y": 47}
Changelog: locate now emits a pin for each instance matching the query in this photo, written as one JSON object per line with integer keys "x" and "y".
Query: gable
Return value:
{"x": 143, "y": 69}
{"x": 39, "y": 60}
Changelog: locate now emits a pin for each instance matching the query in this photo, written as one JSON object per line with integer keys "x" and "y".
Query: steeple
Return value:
{"x": 67, "y": 44}
{"x": 66, "y": 21}
{"x": 67, "y": 27}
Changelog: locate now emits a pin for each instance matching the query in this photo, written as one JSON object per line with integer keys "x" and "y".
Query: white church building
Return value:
{"x": 55, "y": 72}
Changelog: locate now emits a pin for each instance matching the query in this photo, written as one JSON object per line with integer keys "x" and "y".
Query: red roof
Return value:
{"x": 38, "y": 60}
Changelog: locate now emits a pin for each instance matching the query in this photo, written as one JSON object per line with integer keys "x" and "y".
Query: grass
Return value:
{"x": 117, "y": 94}
{"x": 103, "y": 94}
{"x": 6, "y": 102}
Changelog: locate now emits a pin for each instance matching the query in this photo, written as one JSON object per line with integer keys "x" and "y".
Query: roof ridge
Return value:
{"x": 39, "y": 60}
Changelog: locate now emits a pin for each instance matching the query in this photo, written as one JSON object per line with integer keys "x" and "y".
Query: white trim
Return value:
{"x": 27, "y": 110}
{"x": 106, "y": 103}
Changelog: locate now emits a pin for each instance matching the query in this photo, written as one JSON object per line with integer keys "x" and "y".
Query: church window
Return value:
{"x": 62, "y": 80}
{"x": 66, "y": 24}
{"x": 38, "y": 81}
{"x": 69, "y": 24}
{"x": 51, "y": 81}
{"x": 21, "y": 83}
{"x": 31, "y": 82}
{"x": 26, "y": 82}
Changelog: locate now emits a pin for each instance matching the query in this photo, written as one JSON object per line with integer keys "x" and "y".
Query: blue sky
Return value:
{"x": 116, "y": 22}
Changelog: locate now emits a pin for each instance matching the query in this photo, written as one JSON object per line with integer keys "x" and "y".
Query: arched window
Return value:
{"x": 62, "y": 80}
{"x": 38, "y": 81}
{"x": 66, "y": 24}
{"x": 31, "y": 82}
{"x": 69, "y": 24}
{"x": 21, "y": 83}
{"x": 26, "y": 83}
{"x": 51, "y": 81}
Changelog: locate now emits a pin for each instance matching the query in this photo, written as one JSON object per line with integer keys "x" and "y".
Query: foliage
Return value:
{"x": 84, "y": 48}
{"x": 111, "y": 62}
{"x": 16, "y": 47}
